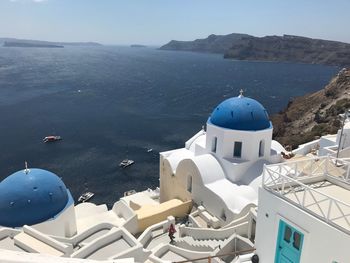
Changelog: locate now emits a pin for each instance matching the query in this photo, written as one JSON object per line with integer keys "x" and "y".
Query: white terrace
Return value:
{"x": 319, "y": 186}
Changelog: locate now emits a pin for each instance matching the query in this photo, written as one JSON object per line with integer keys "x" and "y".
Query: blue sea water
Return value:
{"x": 109, "y": 103}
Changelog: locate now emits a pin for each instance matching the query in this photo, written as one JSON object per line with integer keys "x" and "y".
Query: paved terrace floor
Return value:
{"x": 8, "y": 243}
{"x": 321, "y": 205}
{"x": 94, "y": 236}
{"x": 171, "y": 256}
{"x": 110, "y": 250}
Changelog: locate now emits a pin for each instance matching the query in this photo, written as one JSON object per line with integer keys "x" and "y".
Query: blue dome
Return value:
{"x": 31, "y": 198}
{"x": 240, "y": 113}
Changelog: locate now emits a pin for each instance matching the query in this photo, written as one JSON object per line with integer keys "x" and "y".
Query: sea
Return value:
{"x": 110, "y": 103}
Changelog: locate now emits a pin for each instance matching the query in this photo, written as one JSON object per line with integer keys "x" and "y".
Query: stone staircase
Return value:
{"x": 188, "y": 242}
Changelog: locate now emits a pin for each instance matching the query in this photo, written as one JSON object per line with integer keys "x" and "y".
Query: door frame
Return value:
{"x": 295, "y": 226}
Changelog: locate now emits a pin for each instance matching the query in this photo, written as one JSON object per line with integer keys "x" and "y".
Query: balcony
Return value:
{"x": 319, "y": 186}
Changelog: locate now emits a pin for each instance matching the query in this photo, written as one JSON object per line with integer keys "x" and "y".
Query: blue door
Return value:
{"x": 289, "y": 244}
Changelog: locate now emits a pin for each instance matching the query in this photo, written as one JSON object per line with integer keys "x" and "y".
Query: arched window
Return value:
{"x": 213, "y": 144}
{"x": 189, "y": 183}
{"x": 261, "y": 148}
{"x": 223, "y": 215}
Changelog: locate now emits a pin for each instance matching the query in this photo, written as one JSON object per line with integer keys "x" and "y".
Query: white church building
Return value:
{"x": 220, "y": 167}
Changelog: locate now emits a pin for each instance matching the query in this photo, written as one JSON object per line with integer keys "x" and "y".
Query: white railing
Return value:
{"x": 290, "y": 181}
{"x": 327, "y": 166}
{"x": 338, "y": 168}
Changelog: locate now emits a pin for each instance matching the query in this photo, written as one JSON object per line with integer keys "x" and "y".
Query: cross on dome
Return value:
{"x": 26, "y": 170}
{"x": 241, "y": 93}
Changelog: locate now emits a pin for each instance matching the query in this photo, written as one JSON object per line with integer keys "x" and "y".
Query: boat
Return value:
{"x": 52, "y": 138}
{"x": 85, "y": 197}
{"x": 130, "y": 192}
{"x": 126, "y": 162}
{"x": 149, "y": 150}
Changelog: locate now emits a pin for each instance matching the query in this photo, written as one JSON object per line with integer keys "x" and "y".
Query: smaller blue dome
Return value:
{"x": 32, "y": 197}
{"x": 240, "y": 113}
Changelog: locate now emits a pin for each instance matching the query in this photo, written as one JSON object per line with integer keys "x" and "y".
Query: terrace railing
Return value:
{"x": 297, "y": 182}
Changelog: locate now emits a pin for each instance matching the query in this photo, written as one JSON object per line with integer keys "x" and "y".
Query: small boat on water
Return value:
{"x": 149, "y": 150}
{"x": 126, "y": 162}
{"x": 52, "y": 138}
{"x": 130, "y": 192}
{"x": 85, "y": 197}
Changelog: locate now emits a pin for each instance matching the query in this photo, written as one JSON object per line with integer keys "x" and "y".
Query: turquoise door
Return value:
{"x": 289, "y": 244}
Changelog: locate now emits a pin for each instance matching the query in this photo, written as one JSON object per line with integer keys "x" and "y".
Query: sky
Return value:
{"x": 155, "y": 22}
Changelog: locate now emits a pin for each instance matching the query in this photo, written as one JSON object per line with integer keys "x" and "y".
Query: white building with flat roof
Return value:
{"x": 304, "y": 212}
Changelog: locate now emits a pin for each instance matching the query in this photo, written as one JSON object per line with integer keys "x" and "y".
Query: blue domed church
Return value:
{"x": 240, "y": 113}
{"x": 220, "y": 167}
{"x": 37, "y": 198}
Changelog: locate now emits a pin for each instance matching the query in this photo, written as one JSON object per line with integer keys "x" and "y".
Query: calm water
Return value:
{"x": 109, "y": 103}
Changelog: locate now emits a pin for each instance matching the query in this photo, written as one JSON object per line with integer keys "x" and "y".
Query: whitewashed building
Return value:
{"x": 220, "y": 168}
{"x": 304, "y": 212}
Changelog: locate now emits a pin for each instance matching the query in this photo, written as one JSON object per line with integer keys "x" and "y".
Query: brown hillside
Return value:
{"x": 313, "y": 115}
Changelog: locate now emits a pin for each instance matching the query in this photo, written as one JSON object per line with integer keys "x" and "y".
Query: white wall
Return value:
{"x": 345, "y": 140}
{"x": 168, "y": 163}
{"x": 63, "y": 225}
{"x": 7, "y": 256}
{"x": 121, "y": 209}
{"x": 235, "y": 167}
{"x": 250, "y": 142}
{"x": 203, "y": 169}
{"x": 305, "y": 148}
{"x": 322, "y": 242}
{"x": 113, "y": 235}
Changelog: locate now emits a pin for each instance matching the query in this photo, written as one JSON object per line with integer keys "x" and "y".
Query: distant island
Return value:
{"x": 138, "y": 46}
{"x": 285, "y": 48}
{"x": 23, "y": 44}
{"x": 13, "y": 42}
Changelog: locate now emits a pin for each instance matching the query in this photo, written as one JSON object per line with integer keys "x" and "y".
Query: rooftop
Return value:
{"x": 240, "y": 113}
{"x": 319, "y": 186}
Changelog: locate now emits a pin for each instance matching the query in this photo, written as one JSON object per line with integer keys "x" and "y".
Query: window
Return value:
{"x": 213, "y": 144}
{"x": 223, "y": 215}
{"x": 261, "y": 148}
{"x": 296, "y": 240}
{"x": 287, "y": 234}
{"x": 189, "y": 183}
{"x": 237, "y": 151}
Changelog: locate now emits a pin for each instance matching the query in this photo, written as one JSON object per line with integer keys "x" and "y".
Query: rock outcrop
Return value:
{"x": 291, "y": 49}
{"x": 284, "y": 48}
{"x": 314, "y": 115}
{"x": 212, "y": 44}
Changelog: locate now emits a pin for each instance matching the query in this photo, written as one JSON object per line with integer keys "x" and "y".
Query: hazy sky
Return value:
{"x": 155, "y": 22}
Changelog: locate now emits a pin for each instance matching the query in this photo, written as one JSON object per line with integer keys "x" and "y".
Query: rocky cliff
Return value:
{"x": 212, "y": 44}
{"x": 313, "y": 115}
{"x": 290, "y": 49}
{"x": 270, "y": 48}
